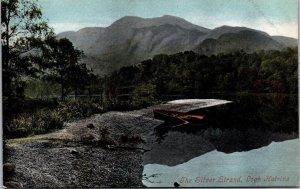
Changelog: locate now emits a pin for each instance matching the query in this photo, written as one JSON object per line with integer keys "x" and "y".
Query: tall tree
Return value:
{"x": 79, "y": 77}
{"x": 64, "y": 66}
{"x": 23, "y": 30}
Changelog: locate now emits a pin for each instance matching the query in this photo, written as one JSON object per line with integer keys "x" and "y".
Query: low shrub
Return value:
{"x": 76, "y": 108}
{"x": 39, "y": 122}
{"x": 46, "y": 119}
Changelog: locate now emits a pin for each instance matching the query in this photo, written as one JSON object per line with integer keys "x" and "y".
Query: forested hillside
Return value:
{"x": 189, "y": 73}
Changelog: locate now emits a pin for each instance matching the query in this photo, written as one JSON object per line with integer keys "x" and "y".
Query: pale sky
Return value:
{"x": 276, "y": 17}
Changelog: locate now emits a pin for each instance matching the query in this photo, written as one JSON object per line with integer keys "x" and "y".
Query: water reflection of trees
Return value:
{"x": 272, "y": 112}
{"x": 251, "y": 122}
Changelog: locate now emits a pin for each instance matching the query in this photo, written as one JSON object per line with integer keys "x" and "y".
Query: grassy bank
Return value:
{"x": 40, "y": 117}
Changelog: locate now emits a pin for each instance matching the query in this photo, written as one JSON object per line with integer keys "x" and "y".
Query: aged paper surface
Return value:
{"x": 150, "y": 93}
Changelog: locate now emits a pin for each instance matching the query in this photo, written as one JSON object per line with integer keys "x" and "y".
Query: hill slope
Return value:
{"x": 247, "y": 40}
{"x": 130, "y": 40}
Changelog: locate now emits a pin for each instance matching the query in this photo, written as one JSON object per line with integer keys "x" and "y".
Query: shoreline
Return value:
{"x": 78, "y": 156}
{"x": 104, "y": 150}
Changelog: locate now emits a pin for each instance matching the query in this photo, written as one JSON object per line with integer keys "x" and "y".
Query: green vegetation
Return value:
{"x": 191, "y": 74}
{"x": 39, "y": 122}
{"x": 61, "y": 62}
{"x": 37, "y": 64}
{"x": 143, "y": 95}
{"x": 138, "y": 86}
{"x": 22, "y": 33}
{"x": 48, "y": 119}
{"x": 77, "y": 108}
{"x": 31, "y": 51}
{"x": 37, "y": 89}
{"x": 27, "y": 139}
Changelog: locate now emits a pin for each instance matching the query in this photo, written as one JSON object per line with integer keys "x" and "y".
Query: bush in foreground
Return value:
{"x": 46, "y": 120}
{"x": 39, "y": 122}
{"x": 76, "y": 109}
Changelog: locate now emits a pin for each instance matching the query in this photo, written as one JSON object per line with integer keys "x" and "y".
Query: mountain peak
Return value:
{"x": 170, "y": 16}
{"x": 138, "y": 22}
{"x": 218, "y": 31}
{"x": 132, "y": 39}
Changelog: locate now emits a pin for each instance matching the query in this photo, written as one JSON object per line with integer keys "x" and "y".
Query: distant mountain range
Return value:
{"x": 130, "y": 40}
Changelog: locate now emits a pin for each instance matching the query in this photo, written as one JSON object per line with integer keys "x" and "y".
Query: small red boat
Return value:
{"x": 178, "y": 118}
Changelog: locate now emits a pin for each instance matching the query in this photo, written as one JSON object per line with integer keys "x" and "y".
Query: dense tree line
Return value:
{"x": 188, "y": 73}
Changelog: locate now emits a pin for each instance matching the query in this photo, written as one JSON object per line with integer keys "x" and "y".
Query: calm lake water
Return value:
{"x": 226, "y": 143}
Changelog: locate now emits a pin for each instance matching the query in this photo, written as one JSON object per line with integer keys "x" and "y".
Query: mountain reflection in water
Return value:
{"x": 250, "y": 122}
